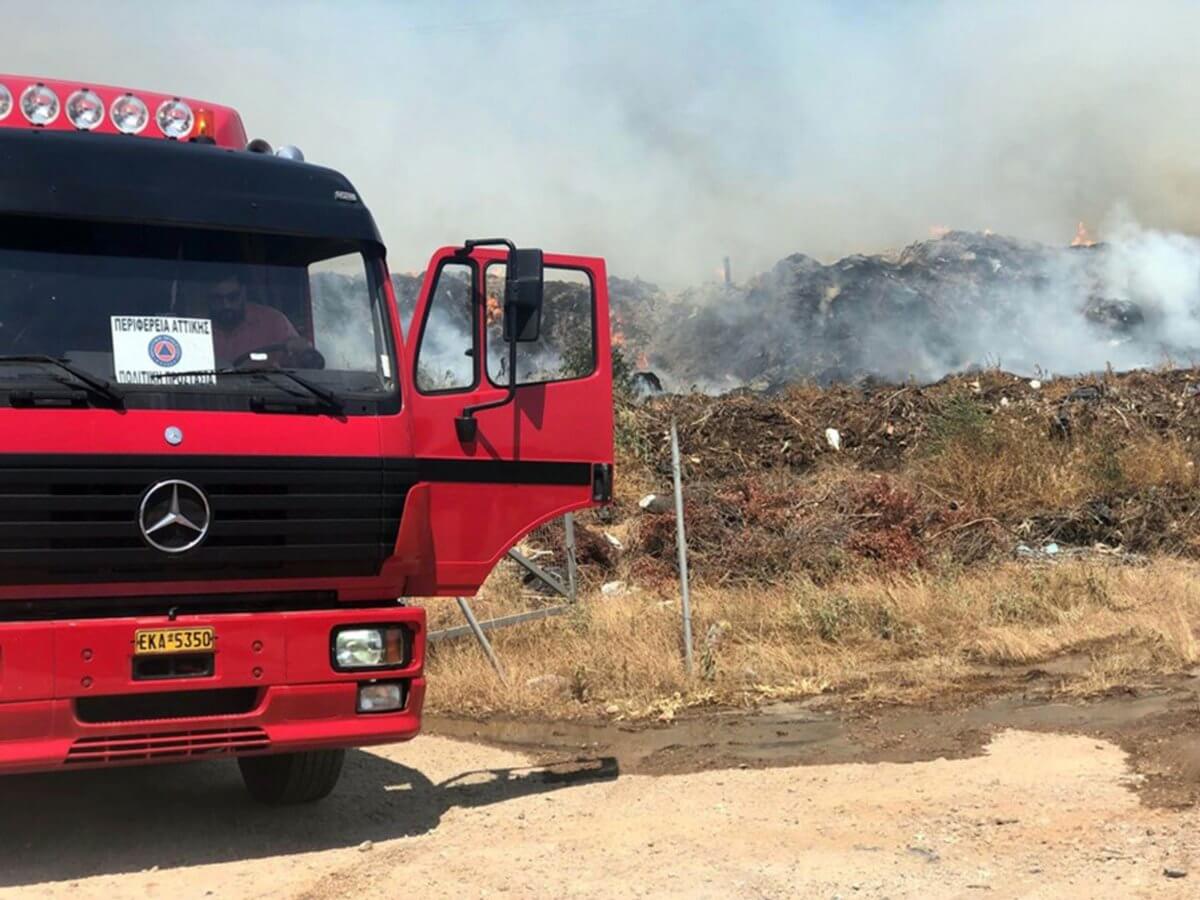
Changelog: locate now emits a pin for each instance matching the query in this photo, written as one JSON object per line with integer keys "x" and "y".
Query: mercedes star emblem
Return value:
{"x": 173, "y": 435}
{"x": 174, "y": 516}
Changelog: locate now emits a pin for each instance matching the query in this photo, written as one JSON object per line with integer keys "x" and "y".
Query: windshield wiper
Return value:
{"x": 327, "y": 399}
{"x": 94, "y": 383}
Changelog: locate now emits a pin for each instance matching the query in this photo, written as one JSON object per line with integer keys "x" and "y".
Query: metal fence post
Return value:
{"x": 481, "y": 637}
{"x": 572, "y": 575}
{"x": 681, "y": 543}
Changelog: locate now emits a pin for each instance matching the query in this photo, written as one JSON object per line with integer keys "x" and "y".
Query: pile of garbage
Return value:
{"x": 822, "y": 482}
{"x": 964, "y": 301}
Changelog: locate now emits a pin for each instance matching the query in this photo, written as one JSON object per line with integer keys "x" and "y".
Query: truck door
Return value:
{"x": 546, "y": 452}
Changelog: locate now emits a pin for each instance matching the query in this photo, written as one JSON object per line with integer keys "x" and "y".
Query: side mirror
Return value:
{"x": 523, "y": 295}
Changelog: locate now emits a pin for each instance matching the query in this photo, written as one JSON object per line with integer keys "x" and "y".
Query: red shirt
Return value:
{"x": 261, "y": 327}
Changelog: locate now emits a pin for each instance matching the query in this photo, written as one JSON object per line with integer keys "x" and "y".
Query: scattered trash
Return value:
{"x": 613, "y": 541}
{"x": 614, "y": 589}
{"x": 656, "y": 504}
{"x": 365, "y": 846}
{"x": 1085, "y": 394}
{"x": 1035, "y": 384}
{"x": 833, "y": 438}
{"x": 1053, "y": 552}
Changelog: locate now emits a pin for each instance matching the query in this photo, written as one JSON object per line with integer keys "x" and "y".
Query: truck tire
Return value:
{"x": 287, "y": 778}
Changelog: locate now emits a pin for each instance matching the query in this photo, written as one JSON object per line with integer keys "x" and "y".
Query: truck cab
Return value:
{"x": 227, "y": 459}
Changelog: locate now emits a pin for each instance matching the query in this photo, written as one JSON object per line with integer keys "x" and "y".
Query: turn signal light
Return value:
{"x": 204, "y": 126}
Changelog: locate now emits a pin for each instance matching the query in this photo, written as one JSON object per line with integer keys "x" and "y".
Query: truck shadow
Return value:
{"x": 106, "y": 822}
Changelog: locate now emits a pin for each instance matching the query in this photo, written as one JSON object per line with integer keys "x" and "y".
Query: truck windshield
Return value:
{"x": 143, "y": 307}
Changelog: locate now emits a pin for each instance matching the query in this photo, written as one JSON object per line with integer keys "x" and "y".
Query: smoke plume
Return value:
{"x": 665, "y": 136}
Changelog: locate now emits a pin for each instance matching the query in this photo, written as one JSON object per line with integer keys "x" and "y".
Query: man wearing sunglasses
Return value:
{"x": 242, "y": 328}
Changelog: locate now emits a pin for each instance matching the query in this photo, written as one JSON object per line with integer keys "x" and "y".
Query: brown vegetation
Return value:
{"x": 924, "y": 551}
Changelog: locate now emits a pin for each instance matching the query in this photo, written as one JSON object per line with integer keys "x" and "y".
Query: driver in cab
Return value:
{"x": 242, "y": 327}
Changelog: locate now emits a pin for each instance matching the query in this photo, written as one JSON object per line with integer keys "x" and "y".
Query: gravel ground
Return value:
{"x": 1033, "y": 815}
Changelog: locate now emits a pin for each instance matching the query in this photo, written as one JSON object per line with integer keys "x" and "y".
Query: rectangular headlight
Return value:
{"x": 368, "y": 647}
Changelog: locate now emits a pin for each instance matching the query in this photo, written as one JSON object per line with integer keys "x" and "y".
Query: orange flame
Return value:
{"x": 1082, "y": 238}
{"x": 494, "y": 311}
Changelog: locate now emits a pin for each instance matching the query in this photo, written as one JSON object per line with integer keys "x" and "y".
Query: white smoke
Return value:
{"x": 667, "y": 135}
{"x": 1160, "y": 270}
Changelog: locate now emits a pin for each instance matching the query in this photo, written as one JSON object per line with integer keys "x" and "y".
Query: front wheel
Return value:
{"x": 288, "y": 778}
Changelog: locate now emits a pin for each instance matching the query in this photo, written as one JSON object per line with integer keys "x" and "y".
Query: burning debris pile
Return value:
{"x": 963, "y": 301}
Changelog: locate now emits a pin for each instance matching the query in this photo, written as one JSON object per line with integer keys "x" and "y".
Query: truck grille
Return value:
{"x": 173, "y": 745}
{"x": 74, "y": 519}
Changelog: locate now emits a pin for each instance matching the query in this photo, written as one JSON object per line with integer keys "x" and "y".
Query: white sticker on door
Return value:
{"x": 165, "y": 346}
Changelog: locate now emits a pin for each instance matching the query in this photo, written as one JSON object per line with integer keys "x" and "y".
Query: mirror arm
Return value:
{"x": 466, "y": 425}
{"x": 468, "y": 246}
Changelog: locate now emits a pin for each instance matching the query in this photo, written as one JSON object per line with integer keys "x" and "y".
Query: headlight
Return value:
{"x": 129, "y": 114}
{"x": 375, "y": 647}
{"x": 85, "y": 109}
{"x": 5, "y": 102}
{"x": 39, "y": 104}
{"x": 174, "y": 118}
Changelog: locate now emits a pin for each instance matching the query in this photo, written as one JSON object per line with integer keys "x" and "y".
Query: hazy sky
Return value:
{"x": 666, "y": 135}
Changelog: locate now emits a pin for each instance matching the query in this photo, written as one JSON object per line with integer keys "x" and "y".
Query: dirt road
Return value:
{"x": 1021, "y": 813}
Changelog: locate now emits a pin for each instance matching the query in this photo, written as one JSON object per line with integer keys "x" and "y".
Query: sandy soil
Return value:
{"x": 1022, "y": 813}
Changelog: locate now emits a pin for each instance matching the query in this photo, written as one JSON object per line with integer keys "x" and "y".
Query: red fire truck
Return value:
{"x": 222, "y": 460}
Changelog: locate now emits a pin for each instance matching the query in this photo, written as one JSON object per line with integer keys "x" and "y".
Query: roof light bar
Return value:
{"x": 55, "y": 104}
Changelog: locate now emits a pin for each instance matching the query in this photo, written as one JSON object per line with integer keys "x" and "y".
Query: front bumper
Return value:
{"x": 279, "y": 661}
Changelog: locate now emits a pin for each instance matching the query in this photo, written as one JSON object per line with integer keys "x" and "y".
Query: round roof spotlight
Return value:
{"x": 174, "y": 118}
{"x": 39, "y": 104}
{"x": 85, "y": 109}
{"x": 129, "y": 114}
{"x": 290, "y": 151}
{"x": 258, "y": 145}
{"x": 5, "y": 102}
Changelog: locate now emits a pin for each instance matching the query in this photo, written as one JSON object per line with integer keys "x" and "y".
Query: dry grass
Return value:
{"x": 900, "y": 638}
{"x": 1010, "y": 463}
